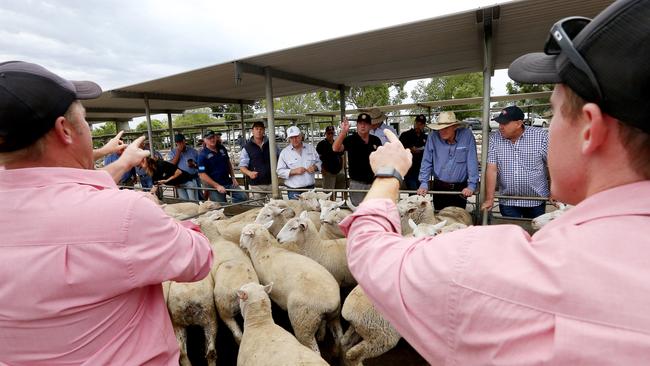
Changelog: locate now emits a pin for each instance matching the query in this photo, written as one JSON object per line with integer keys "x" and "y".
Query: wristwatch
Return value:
{"x": 389, "y": 172}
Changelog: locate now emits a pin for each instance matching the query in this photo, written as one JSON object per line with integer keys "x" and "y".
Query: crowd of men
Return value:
{"x": 444, "y": 160}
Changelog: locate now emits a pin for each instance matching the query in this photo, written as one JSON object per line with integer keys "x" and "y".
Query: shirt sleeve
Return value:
{"x": 243, "y": 158}
{"x": 427, "y": 163}
{"x": 283, "y": 169}
{"x": 472, "y": 162}
{"x": 159, "y": 248}
{"x": 492, "y": 150}
{"x": 544, "y": 148}
{"x": 408, "y": 280}
{"x": 171, "y": 155}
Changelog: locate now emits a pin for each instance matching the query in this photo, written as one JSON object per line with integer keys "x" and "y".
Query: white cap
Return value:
{"x": 293, "y": 131}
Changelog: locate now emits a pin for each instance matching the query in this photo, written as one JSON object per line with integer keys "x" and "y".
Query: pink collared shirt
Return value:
{"x": 575, "y": 293}
{"x": 81, "y": 265}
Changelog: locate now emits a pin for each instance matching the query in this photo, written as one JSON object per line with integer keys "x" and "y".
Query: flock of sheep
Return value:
{"x": 294, "y": 254}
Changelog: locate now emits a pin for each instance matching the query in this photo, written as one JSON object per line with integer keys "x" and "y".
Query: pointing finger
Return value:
{"x": 392, "y": 138}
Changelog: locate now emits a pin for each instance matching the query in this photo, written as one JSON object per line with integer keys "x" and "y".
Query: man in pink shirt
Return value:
{"x": 577, "y": 291}
{"x": 81, "y": 262}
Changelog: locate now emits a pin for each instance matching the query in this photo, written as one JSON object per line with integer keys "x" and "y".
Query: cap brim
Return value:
{"x": 534, "y": 68}
{"x": 86, "y": 89}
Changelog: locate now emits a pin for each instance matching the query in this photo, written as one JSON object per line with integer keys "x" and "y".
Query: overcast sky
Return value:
{"x": 122, "y": 42}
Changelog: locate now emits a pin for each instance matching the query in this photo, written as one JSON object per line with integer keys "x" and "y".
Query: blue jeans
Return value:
{"x": 187, "y": 194}
{"x": 412, "y": 183}
{"x": 237, "y": 196}
{"x": 525, "y": 212}
{"x": 293, "y": 195}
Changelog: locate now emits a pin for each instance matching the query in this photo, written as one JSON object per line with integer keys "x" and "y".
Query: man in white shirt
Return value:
{"x": 298, "y": 163}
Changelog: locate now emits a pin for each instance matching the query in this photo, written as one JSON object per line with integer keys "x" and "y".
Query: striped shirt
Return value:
{"x": 521, "y": 166}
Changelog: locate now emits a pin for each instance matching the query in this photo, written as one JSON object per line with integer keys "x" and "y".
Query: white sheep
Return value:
{"x": 192, "y": 303}
{"x": 274, "y": 215}
{"x": 330, "y": 228}
{"x": 230, "y": 270}
{"x": 455, "y": 214}
{"x": 302, "y": 287}
{"x": 183, "y": 210}
{"x": 231, "y": 228}
{"x": 415, "y": 207}
{"x": 264, "y": 343}
{"x": 376, "y": 333}
{"x": 301, "y": 233}
{"x": 544, "y": 219}
{"x": 328, "y": 205}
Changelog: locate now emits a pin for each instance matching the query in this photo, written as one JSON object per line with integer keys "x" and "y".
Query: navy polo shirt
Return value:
{"x": 216, "y": 164}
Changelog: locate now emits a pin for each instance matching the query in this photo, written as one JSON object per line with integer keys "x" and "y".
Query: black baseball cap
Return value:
{"x": 421, "y": 118}
{"x": 329, "y": 129}
{"x": 604, "y": 60}
{"x": 509, "y": 114}
{"x": 179, "y": 137}
{"x": 364, "y": 117}
{"x": 210, "y": 133}
{"x": 31, "y": 99}
{"x": 258, "y": 124}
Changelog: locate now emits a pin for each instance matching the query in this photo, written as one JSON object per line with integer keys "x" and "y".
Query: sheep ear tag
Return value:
{"x": 268, "y": 288}
{"x": 268, "y": 225}
{"x": 412, "y": 224}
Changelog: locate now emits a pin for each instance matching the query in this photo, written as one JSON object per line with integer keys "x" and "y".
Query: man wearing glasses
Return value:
{"x": 577, "y": 291}
{"x": 333, "y": 172}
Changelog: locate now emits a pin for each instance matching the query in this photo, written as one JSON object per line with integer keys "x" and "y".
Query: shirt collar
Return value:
{"x": 44, "y": 176}
{"x": 628, "y": 199}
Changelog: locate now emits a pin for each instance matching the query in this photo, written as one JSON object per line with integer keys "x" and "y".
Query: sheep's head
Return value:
{"x": 251, "y": 293}
{"x": 288, "y": 211}
{"x": 310, "y": 199}
{"x": 331, "y": 222}
{"x": 255, "y": 234}
{"x": 268, "y": 213}
{"x": 424, "y": 229}
{"x": 206, "y": 206}
{"x": 294, "y": 230}
{"x": 544, "y": 219}
{"x": 328, "y": 205}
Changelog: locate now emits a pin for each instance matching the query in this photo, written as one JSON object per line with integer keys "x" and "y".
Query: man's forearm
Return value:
{"x": 384, "y": 188}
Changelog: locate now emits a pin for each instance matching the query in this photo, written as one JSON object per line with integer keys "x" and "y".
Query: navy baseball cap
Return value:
{"x": 364, "y": 117}
{"x": 421, "y": 118}
{"x": 604, "y": 60}
{"x": 509, "y": 114}
{"x": 179, "y": 137}
{"x": 31, "y": 99}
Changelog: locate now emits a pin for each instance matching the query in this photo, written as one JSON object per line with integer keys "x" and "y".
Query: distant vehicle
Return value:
{"x": 473, "y": 123}
{"x": 539, "y": 122}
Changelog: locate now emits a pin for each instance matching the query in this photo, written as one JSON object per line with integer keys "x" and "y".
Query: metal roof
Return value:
{"x": 450, "y": 44}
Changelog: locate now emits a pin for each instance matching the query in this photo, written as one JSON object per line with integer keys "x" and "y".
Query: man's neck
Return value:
{"x": 259, "y": 141}
{"x": 517, "y": 135}
{"x": 365, "y": 137}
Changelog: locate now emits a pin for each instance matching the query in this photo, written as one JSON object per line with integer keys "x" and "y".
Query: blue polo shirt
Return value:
{"x": 216, "y": 164}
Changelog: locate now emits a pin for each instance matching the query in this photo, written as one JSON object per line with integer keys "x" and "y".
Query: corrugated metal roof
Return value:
{"x": 445, "y": 45}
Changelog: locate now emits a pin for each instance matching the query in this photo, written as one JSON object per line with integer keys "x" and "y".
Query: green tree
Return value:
{"x": 107, "y": 128}
{"x": 191, "y": 119}
{"x": 231, "y": 112}
{"x": 366, "y": 96}
{"x": 540, "y": 106}
{"x": 452, "y": 87}
{"x": 155, "y": 125}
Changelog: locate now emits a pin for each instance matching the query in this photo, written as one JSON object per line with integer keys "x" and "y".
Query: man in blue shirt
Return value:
{"x": 450, "y": 153}
{"x": 185, "y": 158}
{"x": 215, "y": 169}
{"x": 127, "y": 178}
{"x": 517, "y": 162}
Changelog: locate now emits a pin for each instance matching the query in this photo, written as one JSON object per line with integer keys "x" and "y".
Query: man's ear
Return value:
{"x": 64, "y": 130}
{"x": 597, "y": 126}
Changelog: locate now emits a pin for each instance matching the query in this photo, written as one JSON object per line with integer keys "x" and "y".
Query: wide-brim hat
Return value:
{"x": 377, "y": 116}
{"x": 444, "y": 120}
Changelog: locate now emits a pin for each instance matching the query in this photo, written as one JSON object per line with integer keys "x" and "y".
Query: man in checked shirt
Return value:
{"x": 517, "y": 162}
